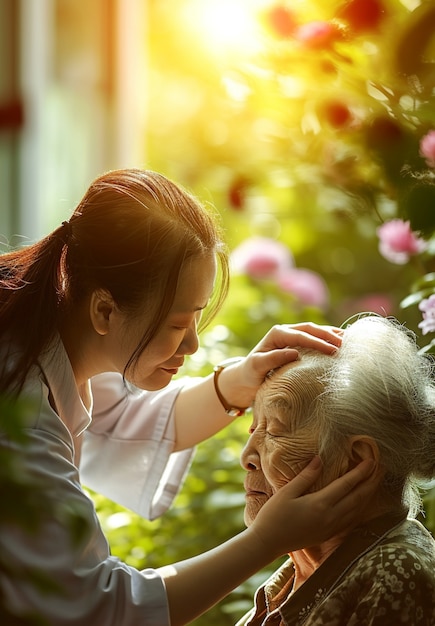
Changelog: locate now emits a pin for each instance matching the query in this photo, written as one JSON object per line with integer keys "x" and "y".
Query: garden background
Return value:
{"x": 309, "y": 127}
{"x": 302, "y": 123}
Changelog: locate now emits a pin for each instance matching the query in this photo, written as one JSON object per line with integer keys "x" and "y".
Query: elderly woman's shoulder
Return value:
{"x": 411, "y": 532}
{"x": 404, "y": 557}
{"x": 394, "y": 579}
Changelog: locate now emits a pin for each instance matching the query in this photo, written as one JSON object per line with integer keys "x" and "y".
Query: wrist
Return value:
{"x": 265, "y": 548}
{"x": 233, "y": 409}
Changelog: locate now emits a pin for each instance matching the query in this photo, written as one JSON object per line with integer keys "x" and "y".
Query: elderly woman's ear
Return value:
{"x": 362, "y": 447}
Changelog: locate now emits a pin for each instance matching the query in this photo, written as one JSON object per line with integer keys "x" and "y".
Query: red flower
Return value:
{"x": 237, "y": 193}
{"x": 362, "y": 15}
{"x": 280, "y": 21}
{"x": 336, "y": 113}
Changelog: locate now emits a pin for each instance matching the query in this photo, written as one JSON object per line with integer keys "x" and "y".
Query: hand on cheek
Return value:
{"x": 288, "y": 462}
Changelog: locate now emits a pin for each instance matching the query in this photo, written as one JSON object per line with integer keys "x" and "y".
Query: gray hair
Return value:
{"x": 378, "y": 384}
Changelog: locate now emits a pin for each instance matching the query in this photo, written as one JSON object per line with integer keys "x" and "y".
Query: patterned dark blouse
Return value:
{"x": 383, "y": 574}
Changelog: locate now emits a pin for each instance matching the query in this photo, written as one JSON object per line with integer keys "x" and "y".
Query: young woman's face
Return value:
{"x": 177, "y": 336}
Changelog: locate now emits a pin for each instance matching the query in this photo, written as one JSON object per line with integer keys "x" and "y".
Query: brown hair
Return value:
{"x": 131, "y": 235}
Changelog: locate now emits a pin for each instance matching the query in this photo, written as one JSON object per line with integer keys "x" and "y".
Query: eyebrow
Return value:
{"x": 188, "y": 311}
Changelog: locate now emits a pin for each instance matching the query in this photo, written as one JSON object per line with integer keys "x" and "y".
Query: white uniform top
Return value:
{"x": 126, "y": 455}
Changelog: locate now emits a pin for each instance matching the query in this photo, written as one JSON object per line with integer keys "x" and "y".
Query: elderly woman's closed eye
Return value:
{"x": 374, "y": 398}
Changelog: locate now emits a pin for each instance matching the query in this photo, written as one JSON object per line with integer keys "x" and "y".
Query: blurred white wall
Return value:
{"x": 78, "y": 69}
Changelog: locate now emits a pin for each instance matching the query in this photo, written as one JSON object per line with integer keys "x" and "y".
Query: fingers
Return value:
{"x": 340, "y": 505}
{"x": 273, "y": 359}
{"x": 319, "y": 330}
{"x": 308, "y": 335}
{"x": 337, "y": 491}
{"x": 303, "y": 481}
{"x": 345, "y": 500}
{"x": 353, "y": 485}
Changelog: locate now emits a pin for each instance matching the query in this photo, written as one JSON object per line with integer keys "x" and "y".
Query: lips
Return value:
{"x": 254, "y": 487}
{"x": 172, "y": 371}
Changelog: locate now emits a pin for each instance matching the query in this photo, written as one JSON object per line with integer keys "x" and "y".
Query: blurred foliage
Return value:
{"x": 312, "y": 139}
{"x": 21, "y": 496}
{"x": 313, "y": 142}
{"x": 26, "y": 503}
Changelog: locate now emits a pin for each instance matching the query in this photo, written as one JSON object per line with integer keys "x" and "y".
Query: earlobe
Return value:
{"x": 101, "y": 307}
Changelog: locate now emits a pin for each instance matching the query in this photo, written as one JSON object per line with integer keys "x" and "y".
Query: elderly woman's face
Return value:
{"x": 281, "y": 443}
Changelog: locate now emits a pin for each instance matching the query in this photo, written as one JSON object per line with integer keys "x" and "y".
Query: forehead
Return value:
{"x": 195, "y": 284}
{"x": 277, "y": 383}
{"x": 291, "y": 389}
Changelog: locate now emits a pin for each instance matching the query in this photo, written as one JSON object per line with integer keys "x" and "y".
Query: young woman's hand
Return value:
{"x": 240, "y": 382}
{"x": 291, "y": 520}
{"x": 287, "y": 522}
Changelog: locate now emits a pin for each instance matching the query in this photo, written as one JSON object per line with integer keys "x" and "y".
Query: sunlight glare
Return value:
{"x": 227, "y": 26}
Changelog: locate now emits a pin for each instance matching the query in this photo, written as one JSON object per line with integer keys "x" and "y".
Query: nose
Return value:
{"x": 249, "y": 459}
{"x": 190, "y": 343}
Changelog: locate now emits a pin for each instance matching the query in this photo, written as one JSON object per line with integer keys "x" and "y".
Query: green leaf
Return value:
{"x": 428, "y": 280}
{"x": 415, "y": 298}
{"x": 429, "y": 348}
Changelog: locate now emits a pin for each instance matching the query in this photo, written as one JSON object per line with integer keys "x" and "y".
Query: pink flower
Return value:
{"x": 309, "y": 287}
{"x": 427, "y": 148}
{"x": 261, "y": 257}
{"x": 379, "y": 303}
{"x": 397, "y": 242}
{"x": 376, "y": 303}
{"x": 427, "y": 307}
{"x": 317, "y": 34}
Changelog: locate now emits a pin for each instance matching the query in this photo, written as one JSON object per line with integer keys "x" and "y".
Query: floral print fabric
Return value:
{"x": 382, "y": 575}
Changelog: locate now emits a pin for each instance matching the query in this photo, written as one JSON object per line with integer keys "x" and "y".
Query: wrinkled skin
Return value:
{"x": 282, "y": 438}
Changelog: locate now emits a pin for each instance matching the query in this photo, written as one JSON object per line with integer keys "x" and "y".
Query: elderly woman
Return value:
{"x": 375, "y": 399}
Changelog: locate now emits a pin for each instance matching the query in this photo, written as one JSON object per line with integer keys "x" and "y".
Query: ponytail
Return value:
{"x": 30, "y": 290}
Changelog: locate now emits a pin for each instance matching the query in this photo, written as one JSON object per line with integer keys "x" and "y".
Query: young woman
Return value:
{"x": 106, "y": 305}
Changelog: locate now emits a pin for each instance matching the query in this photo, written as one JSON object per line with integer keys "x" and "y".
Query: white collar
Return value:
{"x": 67, "y": 398}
